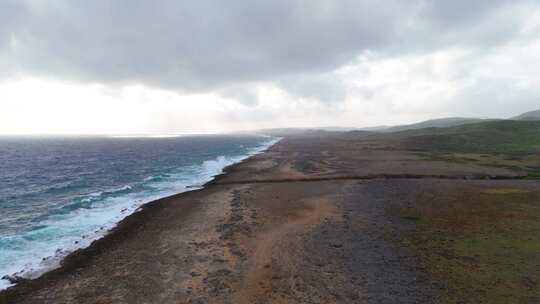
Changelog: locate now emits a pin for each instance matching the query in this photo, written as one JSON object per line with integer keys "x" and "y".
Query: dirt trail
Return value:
{"x": 309, "y": 221}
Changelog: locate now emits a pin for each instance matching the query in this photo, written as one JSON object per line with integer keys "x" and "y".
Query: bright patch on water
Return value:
{"x": 59, "y": 194}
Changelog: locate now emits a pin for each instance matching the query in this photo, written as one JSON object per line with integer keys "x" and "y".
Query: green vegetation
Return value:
{"x": 533, "y": 115}
{"x": 503, "y": 137}
{"x": 482, "y": 247}
{"x": 509, "y": 144}
{"x": 435, "y": 123}
{"x": 527, "y": 164}
{"x": 504, "y": 191}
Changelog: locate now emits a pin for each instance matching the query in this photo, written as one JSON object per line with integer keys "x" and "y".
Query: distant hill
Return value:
{"x": 495, "y": 136}
{"x": 451, "y": 122}
{"x": 439, "y": 123}
{"x": 336, "y": 129}
{"x": 308, "y": 131}
{"x": 533, "y": 115}
{"x": 374, "y": 129}
{"x": 435, "y": 123}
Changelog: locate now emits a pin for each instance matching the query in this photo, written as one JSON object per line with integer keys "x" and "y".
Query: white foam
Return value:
{"x": 40, "y": 250}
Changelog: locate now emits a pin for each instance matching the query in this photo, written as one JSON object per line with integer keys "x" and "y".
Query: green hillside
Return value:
{"x": 435, "y": 123}
{"x": 533, "y": 115}
{"x": 501, "y": 136}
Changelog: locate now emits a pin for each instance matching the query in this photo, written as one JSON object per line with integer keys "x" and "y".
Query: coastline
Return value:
{"x": 99, "y": 239}
{"x": 83, "y": 256}
{"x": 289, "y": 225}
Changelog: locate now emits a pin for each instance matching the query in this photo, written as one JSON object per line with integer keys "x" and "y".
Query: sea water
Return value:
{"x": 58, "y": 194}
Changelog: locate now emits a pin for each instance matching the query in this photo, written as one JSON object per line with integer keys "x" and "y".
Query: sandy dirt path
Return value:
{"x": 286, "y": 226}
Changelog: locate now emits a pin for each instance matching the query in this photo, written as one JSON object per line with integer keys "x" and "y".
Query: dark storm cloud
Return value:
{"x": 205, "y": 45}
{"x": 196, "y": 44}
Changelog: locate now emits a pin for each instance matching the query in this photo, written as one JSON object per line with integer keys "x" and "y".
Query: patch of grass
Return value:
{"x": 505, "y": 191}
{"x": 491, "y": 270}
{"x": 482, "y": 246}
{"x": 533, "y": 175}
{"x": 411, "y": 218}
{"x": 409, "y": 214}
{"x": 507, "y": 144}
{"x": 493, "y": 137}
{"x": 526, "y": 165}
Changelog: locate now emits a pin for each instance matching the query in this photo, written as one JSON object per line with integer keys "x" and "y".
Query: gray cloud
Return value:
{"x": 195, "y": 44}
{"x": 504, "y": 96}
{"x": 244, "y": 94}
{"x": 213, "y": 45}
{"x": 461, "y": 13}
{"x": 325, "y": 87}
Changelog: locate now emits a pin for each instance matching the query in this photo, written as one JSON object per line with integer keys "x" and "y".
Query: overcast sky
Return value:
{"x": 134, "y": 66}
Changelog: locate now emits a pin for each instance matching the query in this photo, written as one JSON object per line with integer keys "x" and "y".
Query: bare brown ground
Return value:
{"x": 316, "y": 237}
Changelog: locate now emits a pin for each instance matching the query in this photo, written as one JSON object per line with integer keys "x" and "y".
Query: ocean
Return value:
{"x": 58, "y": 194}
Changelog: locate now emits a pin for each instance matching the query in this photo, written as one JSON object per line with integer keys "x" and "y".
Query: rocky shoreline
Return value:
{"x": 299, "y": 223}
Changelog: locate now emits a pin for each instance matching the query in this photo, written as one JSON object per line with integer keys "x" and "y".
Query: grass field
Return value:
{"x": 514, "y": 145}
{"x": 500, "y": 137}
{"x": 482, "y": 246}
